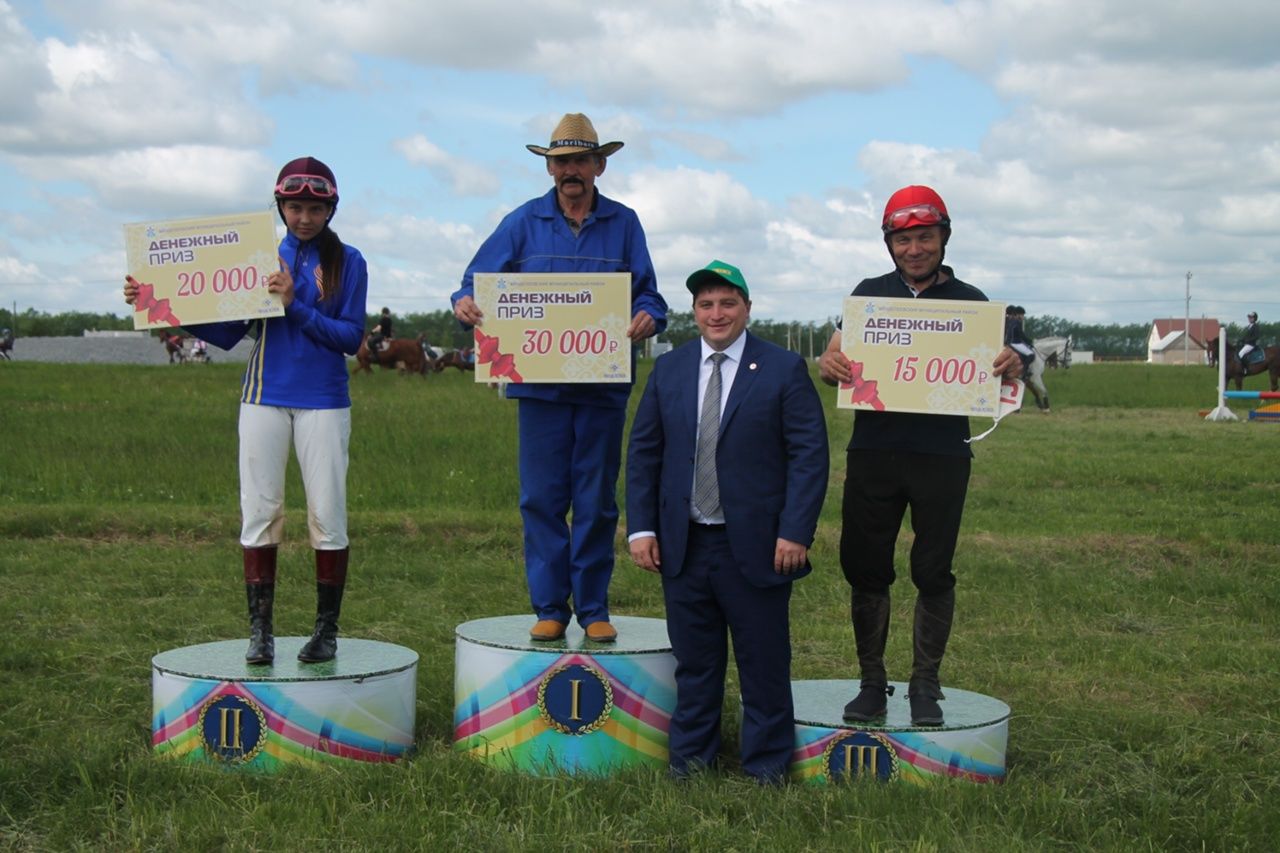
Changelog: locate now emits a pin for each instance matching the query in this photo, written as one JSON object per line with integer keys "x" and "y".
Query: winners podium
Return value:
{"x": 970, "y": 745}
{"x": 208, "y": 705}
{"x": 567, "y": 706}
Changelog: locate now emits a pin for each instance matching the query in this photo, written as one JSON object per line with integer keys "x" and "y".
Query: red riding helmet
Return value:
{"x": 914, "y": 206}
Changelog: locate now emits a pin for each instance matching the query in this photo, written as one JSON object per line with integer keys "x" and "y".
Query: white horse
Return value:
{"x": 1034, "y": 378}
{"x": 1056, "y": 352}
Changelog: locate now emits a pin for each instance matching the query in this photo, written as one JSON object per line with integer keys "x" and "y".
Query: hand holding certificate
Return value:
{"x": 922, "y": 355}
{"x": 553, "y": 327}
{"x": 194, "y": 271}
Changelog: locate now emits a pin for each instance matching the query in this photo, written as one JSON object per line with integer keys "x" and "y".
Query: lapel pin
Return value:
{"x": 751, "y": 366}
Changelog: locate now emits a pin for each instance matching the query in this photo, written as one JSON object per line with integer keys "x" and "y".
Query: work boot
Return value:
{"x": 932, "y": 630}
{"x": 260, "y": 589}
{"x": 331, "y": 579}
{"x": 870, "y": 615}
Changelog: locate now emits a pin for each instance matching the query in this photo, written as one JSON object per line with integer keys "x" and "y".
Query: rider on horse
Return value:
{"x": 1016, "y": 339}
{"x": 1249, "y": 342}
{"x": 381, "y": 331}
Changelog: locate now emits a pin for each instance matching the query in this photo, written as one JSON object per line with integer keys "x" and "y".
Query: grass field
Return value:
{"x": 1119, "y": 589}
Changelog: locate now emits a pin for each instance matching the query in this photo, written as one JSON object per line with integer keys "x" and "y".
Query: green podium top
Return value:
{"x": 224, "y": 661}
{"x": 636, "y": 635}
{"x": 821, "y": 703}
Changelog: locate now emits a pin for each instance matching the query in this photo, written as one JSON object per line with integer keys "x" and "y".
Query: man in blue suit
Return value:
{"x": 726, "y": 473}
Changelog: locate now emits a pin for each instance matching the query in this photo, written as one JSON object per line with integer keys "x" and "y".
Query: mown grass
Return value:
{"x": 1118, "y": 590}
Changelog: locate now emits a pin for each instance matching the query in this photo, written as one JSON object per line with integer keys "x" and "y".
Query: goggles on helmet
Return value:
{"x": 910, "y": 217}
{"x": 313, "y": 185}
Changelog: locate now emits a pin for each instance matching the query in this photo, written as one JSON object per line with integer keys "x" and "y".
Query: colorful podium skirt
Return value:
{"x": 970, "y": 745}
{"x": 208, "y": 705}
{"x": 568, "y": 706}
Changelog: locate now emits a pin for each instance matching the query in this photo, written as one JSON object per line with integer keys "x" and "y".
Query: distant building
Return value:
{"x": 1168, "y": 344}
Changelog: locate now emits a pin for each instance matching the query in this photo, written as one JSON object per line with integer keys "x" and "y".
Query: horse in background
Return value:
{"x": 1054, "y": 351}
{"x": 1034, "y": 378}
{"x": 463, "y": 359}
{"x": 173, "y": 346}
{"x": 404, "y": 355}
{"x": 1233, "y": 369}
{"x": 6, "y": 344}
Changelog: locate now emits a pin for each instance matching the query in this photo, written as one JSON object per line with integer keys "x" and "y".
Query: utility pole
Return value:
{"x": 1186, "y": 337}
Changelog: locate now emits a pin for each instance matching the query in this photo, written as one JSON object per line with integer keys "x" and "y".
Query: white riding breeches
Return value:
{"x": 320, "y": 438}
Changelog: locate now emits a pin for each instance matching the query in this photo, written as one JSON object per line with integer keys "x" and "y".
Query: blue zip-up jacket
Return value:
{"x": 298, "y": 360}
{"x": 535, "y": 238}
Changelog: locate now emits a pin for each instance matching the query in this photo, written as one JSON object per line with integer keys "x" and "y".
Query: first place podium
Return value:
{"x": 568, "y": 706}
{"x": 208, "y": 705}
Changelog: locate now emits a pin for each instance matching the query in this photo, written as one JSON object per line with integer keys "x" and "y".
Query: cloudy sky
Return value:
{"x": 1092, "y": 152}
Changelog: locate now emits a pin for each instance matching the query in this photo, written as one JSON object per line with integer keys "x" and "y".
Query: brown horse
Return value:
{"x": 404, "y": 355}
{"x": 173, "y": 346}
{"x": 461, "y": 359}
{"x": 1269, "y": 364}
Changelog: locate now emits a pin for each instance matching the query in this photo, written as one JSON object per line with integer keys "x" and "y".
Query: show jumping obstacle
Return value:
{"x": 1222, "y": 413}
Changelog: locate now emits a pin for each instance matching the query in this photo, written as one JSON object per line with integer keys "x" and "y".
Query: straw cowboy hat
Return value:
{"x": 574, "y": 135}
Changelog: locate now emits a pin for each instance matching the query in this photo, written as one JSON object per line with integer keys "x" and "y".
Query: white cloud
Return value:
{"x": 463, "y": 176}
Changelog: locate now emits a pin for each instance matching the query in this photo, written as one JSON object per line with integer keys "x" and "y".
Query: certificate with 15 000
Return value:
{"x": 931, "y": 356}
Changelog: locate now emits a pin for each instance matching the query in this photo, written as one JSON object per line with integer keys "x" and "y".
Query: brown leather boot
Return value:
{"x": 870, "y": 614}
{"x": 331, "y": 579}
{"x": 933, "y": 618}
{"x": 260, "y": 589}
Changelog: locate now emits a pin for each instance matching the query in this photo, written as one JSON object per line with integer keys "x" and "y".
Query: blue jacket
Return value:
{"x": 535, "y": 238}
{"x": 298, "y": 360}
{"x": 771, "y": 460}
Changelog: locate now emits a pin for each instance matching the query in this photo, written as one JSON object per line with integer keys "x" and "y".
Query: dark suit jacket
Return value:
{"x": 771, "y": 460}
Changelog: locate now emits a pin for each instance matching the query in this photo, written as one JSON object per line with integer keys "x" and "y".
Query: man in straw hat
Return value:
{"x": 571, "y": 433}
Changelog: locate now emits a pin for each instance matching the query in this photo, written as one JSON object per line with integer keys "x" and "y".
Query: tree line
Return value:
{"x": 442, "y": 330}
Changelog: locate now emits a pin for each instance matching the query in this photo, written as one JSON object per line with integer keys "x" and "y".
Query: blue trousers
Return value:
{"x": 709, "y": 595}
{"x": 569, "y": 459}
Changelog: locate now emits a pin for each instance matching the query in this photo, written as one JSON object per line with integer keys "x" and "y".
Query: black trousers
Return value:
{"x": 879, "y": 487}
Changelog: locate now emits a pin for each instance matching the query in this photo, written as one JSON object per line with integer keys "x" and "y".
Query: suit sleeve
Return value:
{"x": 808, "y": 457}
{"x": 644, "y": 460}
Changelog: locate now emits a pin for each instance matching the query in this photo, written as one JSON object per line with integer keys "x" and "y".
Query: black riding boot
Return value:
{"x": 870, "y": 615}
{"x": 932, "y": 630}
{"x": 260, "y": 588}
{"x": 331, "y": 579}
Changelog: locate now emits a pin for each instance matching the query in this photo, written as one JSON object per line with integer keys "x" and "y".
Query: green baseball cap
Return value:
{"x": 718, "y": 272}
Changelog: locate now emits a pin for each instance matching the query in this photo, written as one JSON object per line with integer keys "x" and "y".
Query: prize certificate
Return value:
{"x": 553, "y": 327}
{"x": 203, "y": 270}
{"x": 932, "y": 356}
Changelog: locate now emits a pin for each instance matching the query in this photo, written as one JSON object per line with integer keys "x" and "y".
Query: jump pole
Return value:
{"x": 1252, "y": 395}
{"x": 1222, "y": 413}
